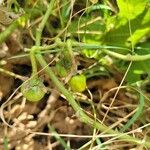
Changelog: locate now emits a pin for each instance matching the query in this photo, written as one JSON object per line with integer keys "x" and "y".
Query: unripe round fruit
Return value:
{"x": 62, "y": 72}
{"x": 78, "y": 83}
{"x": 33, "y": 90}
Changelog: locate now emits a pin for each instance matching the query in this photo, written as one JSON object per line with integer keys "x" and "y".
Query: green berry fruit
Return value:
{"x": 33, "y": 90}
{"x": 78, "y": 83}
{"x": 62, "y": 72}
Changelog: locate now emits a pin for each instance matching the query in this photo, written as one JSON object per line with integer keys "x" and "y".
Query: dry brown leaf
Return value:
{"x": 7, "y": 17}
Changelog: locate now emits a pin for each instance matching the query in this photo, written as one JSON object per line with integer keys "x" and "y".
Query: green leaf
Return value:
{"x": 138, "y": 34}
{"x": 130, "y": 9}
{"x": 135, "y": 72}
{"x": 143, "y": 28}
{"x": 120, "y": 34}
{"x": 85, "y": 27}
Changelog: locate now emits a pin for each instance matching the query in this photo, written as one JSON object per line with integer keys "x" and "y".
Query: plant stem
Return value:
{"x": 43, "y": 48}
{"x": 127, "y": 57}
{"x": 8, "y": 31}
{"x": 6, "y": 143}
{"x": 57, "y": 137}
{"x": 33, "y": 62}
{"x": 44, "y": 20}
{"x": 38, "y": 37}
{"x": 136, "y": 115}
{"x": 103, "y": 48}
{"x": 97, "y": 46}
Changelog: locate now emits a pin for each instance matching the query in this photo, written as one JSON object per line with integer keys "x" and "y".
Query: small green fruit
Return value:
{"x": 78, "y": 83}
{"x": 63, "y": 66}
{"x": 62, "y": 72}
{"x": 33, "y": 90}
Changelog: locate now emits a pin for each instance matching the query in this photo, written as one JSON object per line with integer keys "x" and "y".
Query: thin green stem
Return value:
{"x": 127, "y": 57}
{"x": 42, "y": 24}
{"x": 6, "y": 143}
{"x": 42, "y": 48}
{"x": 102, "y": 48}
{"x": 97, "y": 46}
{"x": 136, "y": 115}
{"x": 57, "y": 137}
{"x": 8, "y": 31}
{"x": 70, "y": 57}
{"x": 38, "y": 37}
{"x": 33, "y": 62}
